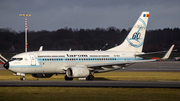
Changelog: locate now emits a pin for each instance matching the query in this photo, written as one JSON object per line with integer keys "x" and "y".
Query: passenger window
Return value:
{"x": 18, "y": 59}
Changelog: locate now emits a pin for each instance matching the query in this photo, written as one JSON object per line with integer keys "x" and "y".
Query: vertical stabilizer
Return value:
{"x": 135, "y": 39}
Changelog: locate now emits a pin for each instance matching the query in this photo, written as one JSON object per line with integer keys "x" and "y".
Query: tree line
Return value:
{"x": 85, "y": 39}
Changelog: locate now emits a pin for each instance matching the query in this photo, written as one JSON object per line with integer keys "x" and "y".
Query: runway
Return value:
{"x": 160, "y": 66}
{"x": 1, "y": 67}
{"x": 125, "y": 84}
{"x": 165, "y": 66}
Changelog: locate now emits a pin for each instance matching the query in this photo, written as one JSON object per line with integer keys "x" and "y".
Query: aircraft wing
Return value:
{"x": 119, "y": 63}
{"x": 166, "y": 56}
{"x": 105, "y": 67}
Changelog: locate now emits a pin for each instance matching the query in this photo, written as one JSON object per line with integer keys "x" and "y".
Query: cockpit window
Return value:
{"x": 18, "y": 59}
{"x": 13, "y": 59}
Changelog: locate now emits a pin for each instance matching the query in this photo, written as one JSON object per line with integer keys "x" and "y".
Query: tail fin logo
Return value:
{"x": 136, "y": 36}
{"x": 137, "y": 40}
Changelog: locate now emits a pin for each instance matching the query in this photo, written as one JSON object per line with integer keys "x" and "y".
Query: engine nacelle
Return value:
{"x": 77, "y": 72}
{"x": 42, "y": 75}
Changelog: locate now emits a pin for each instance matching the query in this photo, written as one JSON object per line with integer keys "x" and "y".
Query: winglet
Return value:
{"x": 41, "y": 48}
{"x": 166, "y": 56}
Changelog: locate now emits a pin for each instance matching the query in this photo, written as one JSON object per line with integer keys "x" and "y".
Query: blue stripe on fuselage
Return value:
{"x": 86, "y": 59}
{"x": 79, "y": 59}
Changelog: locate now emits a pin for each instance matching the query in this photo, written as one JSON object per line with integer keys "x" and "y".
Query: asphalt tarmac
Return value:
{"x": 125, "y": 84}
{"x": 163, "y": 66}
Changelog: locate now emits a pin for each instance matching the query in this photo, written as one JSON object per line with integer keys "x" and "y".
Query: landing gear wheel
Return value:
{"x": 90, "y": 77}
{"x": 67, "y": 78}
{"x": 23, "y": 78}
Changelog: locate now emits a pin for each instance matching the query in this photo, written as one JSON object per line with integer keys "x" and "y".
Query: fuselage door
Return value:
{"x": 33, "y": 60}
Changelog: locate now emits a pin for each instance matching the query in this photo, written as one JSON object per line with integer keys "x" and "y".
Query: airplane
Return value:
{"x": 82, "y": 64}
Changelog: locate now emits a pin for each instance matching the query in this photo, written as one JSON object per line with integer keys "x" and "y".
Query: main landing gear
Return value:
{"x": 67, "y": 78}
{"x": 90, "y": 77}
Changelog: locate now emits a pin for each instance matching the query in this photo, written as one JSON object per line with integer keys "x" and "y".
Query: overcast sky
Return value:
{"x": 55, "y": 14}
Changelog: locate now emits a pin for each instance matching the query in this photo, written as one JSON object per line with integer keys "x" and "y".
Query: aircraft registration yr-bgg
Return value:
{"x": 83, "y": 64}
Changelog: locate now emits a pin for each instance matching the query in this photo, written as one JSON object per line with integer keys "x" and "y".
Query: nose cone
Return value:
{"x": 6, "y": 65}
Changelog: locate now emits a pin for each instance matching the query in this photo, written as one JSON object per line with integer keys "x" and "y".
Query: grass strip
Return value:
{"x": 135, "y": 76}
{"x": 87, "y": 94}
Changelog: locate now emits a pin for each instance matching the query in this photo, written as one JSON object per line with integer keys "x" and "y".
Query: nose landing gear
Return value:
{"x": 23, "y": 78}
{"x": 20, "y": 74}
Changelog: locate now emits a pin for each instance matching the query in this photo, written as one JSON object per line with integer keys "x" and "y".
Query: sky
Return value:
{"x": 87, "y": 14}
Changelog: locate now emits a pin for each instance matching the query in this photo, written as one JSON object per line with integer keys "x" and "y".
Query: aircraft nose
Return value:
{"x": 6, "y": 65}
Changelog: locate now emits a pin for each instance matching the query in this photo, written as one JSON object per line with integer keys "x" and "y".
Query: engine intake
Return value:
{"x": 77, "y": 72}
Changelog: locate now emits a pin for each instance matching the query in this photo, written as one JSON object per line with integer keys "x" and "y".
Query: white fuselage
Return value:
{"x": 78, "y": 64}
{"x": 57, "y": 62}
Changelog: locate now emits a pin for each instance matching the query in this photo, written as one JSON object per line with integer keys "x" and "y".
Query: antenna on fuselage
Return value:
{"x": 41, "y": 48}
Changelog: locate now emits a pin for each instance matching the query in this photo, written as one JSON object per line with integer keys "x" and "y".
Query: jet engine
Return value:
{"x": 77, "y": 72}
{"x": 42, "y": 75}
